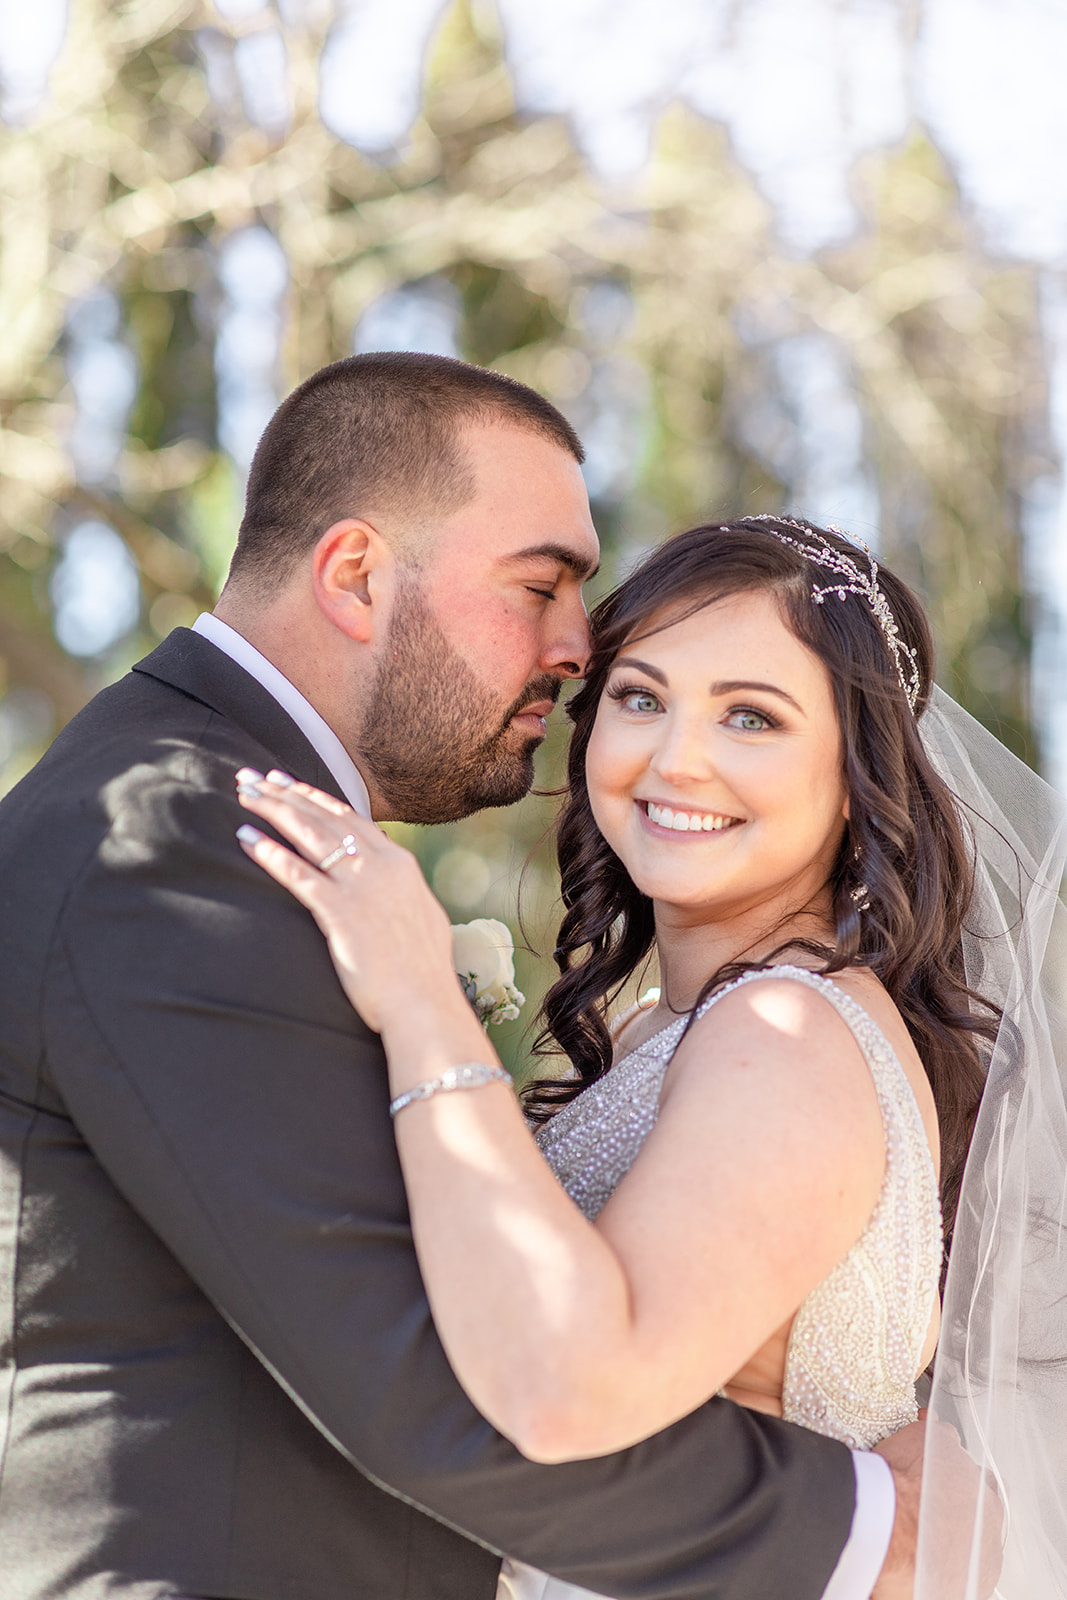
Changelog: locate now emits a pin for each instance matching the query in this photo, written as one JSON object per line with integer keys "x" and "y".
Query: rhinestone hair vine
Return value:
{"x": 852, "y": 580}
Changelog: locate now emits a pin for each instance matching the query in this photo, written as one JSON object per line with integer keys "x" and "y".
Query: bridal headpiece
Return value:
{"x": 852, "y": 579}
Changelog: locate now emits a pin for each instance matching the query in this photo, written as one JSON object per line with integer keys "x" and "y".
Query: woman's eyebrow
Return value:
{"x": 737, "y": 685}
{"x": 724, "y": 686}
{"x": 641, "y": 666}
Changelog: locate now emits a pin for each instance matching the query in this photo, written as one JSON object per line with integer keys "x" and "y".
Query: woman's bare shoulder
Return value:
{"x": 779, "y": 1049}
{"x": 787, "y": 1025}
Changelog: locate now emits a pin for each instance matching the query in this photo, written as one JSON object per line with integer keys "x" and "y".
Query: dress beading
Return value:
{"x": 856, "y": 1342}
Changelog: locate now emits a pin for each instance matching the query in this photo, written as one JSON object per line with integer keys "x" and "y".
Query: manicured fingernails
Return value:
{"x": 249, "y": 780}
{"x": 249, "y": 835}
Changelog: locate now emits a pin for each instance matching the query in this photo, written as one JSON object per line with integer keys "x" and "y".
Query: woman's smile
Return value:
{"x": 676, "y": 820}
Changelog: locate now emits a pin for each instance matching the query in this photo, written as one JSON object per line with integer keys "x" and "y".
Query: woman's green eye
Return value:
{"x": 643, "y": 702}
{"x": 751, "y": 721}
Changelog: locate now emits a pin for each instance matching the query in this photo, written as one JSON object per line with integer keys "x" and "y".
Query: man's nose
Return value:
{"x": 567, "y": 652}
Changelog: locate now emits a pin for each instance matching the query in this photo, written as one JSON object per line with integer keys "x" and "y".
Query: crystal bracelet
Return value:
{"x": 468, "y": 1075}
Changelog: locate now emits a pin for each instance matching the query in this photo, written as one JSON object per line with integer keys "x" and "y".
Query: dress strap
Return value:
{"x": 850, "y": 1010}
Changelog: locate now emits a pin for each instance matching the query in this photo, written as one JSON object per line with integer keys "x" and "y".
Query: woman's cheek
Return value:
{"x": 605, "y": 809}
{"x": 610, "y": 808}
{"x": 598, "y": 759}
{"x": 611, "y": 768}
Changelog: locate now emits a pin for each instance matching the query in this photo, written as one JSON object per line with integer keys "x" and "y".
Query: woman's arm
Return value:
{"x": 575, "y": 1339}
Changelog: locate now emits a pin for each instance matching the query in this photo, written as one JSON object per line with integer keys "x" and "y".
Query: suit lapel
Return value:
{"x": 199, "y": 669}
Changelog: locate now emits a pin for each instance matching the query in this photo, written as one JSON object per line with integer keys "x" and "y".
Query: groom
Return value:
{"x": 219, "y": 1376}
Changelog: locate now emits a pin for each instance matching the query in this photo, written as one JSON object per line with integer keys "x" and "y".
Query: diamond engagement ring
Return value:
{"x": 347, "y": 847}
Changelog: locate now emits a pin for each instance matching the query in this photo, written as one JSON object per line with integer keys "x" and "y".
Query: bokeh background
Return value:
{"x": 766, "y": 254}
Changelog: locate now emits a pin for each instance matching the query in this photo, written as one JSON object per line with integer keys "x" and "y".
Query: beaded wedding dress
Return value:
{"x": 856, "y": 1343}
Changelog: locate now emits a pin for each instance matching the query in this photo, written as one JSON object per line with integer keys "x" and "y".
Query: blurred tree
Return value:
{"x": 662, "y": 321}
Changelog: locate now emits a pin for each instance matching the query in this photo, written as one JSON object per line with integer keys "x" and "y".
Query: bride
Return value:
{"x": 742, "y": 1189}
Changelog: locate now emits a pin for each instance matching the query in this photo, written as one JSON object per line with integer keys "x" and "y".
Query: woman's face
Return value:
{"x": 714, "y": 766}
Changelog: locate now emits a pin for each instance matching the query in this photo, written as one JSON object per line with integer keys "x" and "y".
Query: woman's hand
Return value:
{"x": 388, "y": 936}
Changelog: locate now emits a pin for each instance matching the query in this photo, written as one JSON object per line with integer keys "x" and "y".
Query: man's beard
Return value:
{"x": 434, "y": 742}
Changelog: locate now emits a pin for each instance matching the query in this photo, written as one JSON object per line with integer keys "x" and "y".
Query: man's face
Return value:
{"x": 482, "y": 636}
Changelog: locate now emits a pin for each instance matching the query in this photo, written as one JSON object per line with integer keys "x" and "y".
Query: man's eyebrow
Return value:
{"x": 561, "y": 553}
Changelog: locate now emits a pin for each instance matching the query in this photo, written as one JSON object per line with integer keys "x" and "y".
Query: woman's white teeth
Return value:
{"x": 686, "y": 821}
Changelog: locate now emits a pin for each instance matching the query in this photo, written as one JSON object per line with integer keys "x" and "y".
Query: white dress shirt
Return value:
{"x": 316, "y": 729}
{"x": 861, "y": 1560}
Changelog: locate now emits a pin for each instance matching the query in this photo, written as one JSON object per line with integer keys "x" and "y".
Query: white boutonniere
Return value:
{"x": 484, "y": 956}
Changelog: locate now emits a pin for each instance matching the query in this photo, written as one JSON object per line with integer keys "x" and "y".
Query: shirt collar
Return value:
{"x": 315, "y": 729}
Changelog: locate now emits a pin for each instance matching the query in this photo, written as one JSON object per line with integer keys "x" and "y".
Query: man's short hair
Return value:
{"x": 372, "y": 434}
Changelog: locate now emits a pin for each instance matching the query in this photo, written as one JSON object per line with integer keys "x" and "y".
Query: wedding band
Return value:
{"x": 347, "y": 847}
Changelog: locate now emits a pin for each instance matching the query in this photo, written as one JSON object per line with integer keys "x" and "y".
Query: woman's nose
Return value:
{"x": 684, "y": 752}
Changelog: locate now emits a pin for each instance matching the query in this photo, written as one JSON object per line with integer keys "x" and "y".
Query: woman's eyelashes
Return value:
{"x": 642, "y": 701}
{"x": 748, "y": 720}
{"x": 634, "y": 697}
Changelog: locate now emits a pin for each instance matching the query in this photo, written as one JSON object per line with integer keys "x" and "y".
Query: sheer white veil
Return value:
{"x": 1000, "y": 1377}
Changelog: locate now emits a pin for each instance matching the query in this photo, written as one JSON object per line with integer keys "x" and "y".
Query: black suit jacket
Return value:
{"x": 210, "y": 1312}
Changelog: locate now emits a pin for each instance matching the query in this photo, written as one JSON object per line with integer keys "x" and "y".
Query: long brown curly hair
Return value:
{"x": 902, "y": 880}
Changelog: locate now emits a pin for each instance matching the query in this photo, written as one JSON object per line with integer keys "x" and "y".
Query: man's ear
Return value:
{"x": 351, "y": 572}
